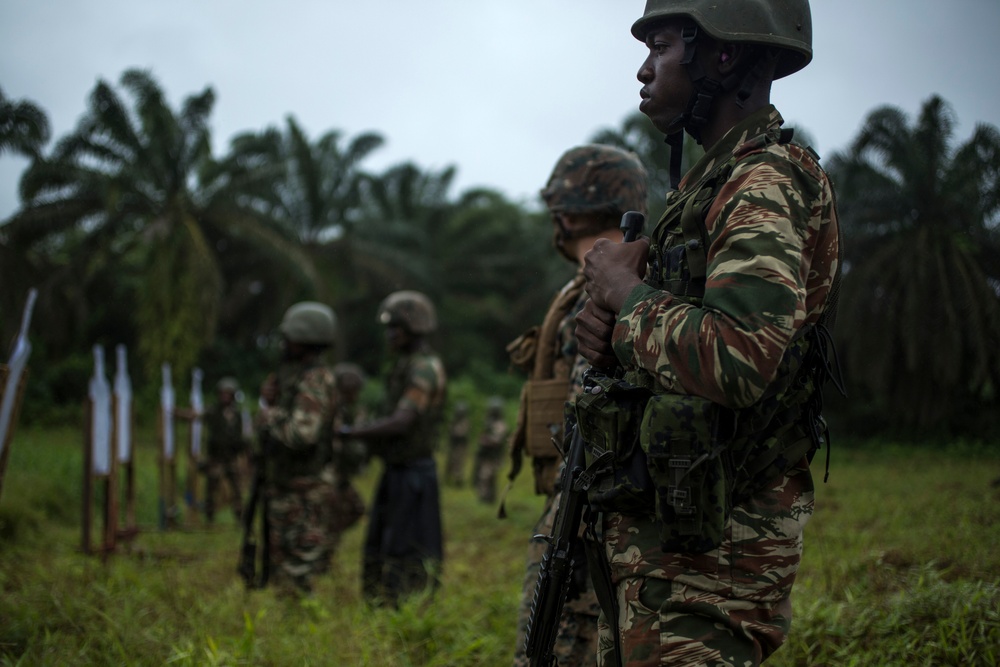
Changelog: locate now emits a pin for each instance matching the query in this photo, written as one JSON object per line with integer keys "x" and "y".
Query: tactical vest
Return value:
{"x": 419, "y": 442}
{"x": 544, "y": 394}
{"x": 285, "y": 463}
{"x": 684, "y": 458}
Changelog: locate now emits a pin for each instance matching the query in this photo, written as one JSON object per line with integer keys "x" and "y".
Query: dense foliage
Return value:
{"x": 135, "y": 233}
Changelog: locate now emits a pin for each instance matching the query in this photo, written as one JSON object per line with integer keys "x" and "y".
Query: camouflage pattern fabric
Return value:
{"x": 300, "y": 517}
{"x": 771, "y": 255}
{"x": 489, "y": 458}
{"x": 417, "y": 382}
{"x": 296, "y": 436}
{"x": 729, "y": 607}
{"x": 576, "y": 641}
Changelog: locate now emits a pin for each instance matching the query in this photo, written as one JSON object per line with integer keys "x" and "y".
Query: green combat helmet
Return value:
{"x": 780, "y": 24}
{"x": 309, "y": 323}
{"x": 409, "y": 309}
{"x": 597, "y": 179}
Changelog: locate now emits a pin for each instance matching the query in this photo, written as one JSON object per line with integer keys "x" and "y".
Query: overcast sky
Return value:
{"x": 499, "y": 89}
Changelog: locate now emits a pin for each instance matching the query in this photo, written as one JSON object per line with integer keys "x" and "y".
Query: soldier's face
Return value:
{"x": 397, "y": 337}
{"x": 666, "y": 84}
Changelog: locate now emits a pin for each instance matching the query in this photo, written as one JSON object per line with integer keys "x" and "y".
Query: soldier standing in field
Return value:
{"x": 295, "y": 431}
{"x": 489, "y": 455}
{"x": 589, "y": 190}
{"x": 458, "y": 446}
{"x": 403, "y": 548}
{"x": 225, "y": 443}
{"x": 224, "y": 446}
{"x": 720, "y": 318}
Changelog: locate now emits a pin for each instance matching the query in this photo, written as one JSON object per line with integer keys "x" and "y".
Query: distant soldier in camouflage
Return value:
{"x": 489, "y": 455}
{"x": 589, "y": 190}
{"x": 458, "y": 445}
{"x": 224, "y": 446}
{"x": 403, "y": 548}
{"x": 720, "y": 316}
{"x": 295, "y": 431}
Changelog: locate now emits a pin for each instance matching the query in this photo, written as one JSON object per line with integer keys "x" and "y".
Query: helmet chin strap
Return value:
{"x": 706, "y": 89}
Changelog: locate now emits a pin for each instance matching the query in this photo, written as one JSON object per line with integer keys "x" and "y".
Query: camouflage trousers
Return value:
{"x": 730, "y": 607}
{"x": 300, "y": 516}
{"x": 576, "y": 639}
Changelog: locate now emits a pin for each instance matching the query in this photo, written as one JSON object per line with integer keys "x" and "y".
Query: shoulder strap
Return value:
{"x": 545, "y": 352}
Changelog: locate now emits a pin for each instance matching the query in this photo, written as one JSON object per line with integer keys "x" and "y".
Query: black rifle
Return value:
{"x": 247, "y": 567}
{"x": 554, "y": 575}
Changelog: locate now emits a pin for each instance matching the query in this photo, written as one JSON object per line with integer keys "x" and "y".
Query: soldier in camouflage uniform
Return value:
{"x": 224, "y": 446}
{"x": 589, "y": 190}
{"x": 295, "y": 430}
{"x": 489, "y": 455}
{"x": 718, "y": 316}
{"x": 458, "y": 446}
{"x": 403, "y": 548}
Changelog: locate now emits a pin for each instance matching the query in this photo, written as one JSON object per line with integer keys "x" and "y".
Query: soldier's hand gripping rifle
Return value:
{"x": 555, "y": 573}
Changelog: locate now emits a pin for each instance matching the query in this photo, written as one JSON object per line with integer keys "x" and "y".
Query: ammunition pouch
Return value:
{"x": 657, "y": 454}
{"x": 545, "y": 405}
{"x": 608, "y": 414}
{"x": 685, "y": 440}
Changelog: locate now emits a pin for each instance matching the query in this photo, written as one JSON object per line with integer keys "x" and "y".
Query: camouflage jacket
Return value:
{"x": 417, "y": 382}
{"x": 770, "y": 255}
{"x": 296, "y": 434}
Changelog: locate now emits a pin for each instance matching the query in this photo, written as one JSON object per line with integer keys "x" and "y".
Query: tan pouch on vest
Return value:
{"x": 546, "y": 401}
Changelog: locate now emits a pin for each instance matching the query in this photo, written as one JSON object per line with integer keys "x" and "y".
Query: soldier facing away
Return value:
{"x": 403, "y": 548}
{"x": 719, "y": 318}
{"x": 589, "y": 190}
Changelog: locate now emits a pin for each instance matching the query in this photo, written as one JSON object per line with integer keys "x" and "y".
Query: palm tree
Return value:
{"x": 320, "y": 196}
{"x": 919, "y": 309}
{"x": 24, "y": 127}
{"x": 138, "y": 191}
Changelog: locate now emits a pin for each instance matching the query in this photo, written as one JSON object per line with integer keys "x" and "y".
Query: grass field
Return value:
{"x": 902, "y": 567}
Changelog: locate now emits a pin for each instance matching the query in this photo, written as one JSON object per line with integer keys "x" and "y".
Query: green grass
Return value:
{"x": 902, "y": 567}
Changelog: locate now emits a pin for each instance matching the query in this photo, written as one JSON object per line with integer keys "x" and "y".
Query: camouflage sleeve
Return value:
{"x": 771, "y": 260}
{"x": 569, "y": 349}
{"x": 422, "y": 386}
{"x": 301, "y": 425}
